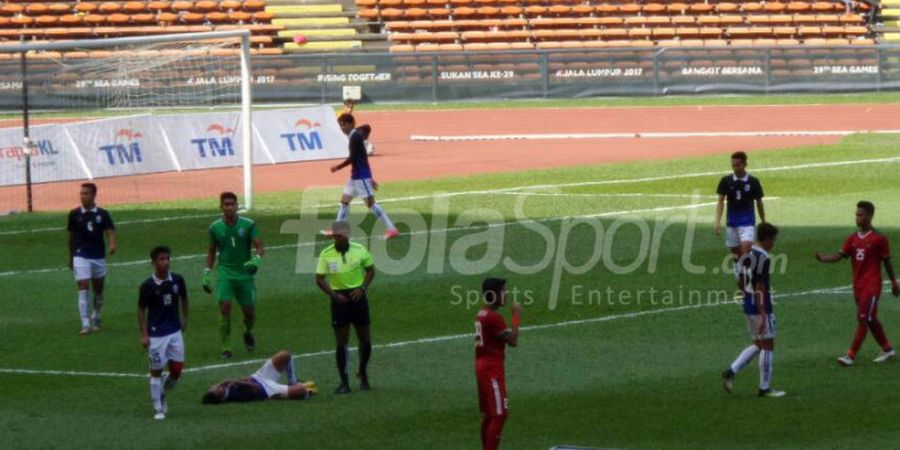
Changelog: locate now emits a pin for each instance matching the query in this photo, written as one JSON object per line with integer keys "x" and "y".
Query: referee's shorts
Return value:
{"x": 354, "y": 311}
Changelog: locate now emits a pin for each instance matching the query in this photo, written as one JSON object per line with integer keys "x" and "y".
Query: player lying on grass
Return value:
{"x": 755, "y": 283}
{"x": 868, "y": 249}
{"x": 161, "y": 326}
{"x": 264, "y": 384}
{"x": 361, "y": 183}
{"x": 88, "y": 225}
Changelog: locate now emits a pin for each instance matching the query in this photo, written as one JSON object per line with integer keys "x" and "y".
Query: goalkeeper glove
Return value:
{"x": 207, "y": 281}
{"x": 252, "y": 266}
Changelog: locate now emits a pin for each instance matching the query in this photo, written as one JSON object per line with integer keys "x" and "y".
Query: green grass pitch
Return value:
{"x": 625, "y": 375}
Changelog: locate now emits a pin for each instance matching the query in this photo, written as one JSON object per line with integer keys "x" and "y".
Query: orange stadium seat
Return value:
{"x": 205, "y": 6}
{"x": 60, "y": 8}
{"x": 35, "y": 9}
{"x": 159, "y": 6}
{"x": 229, "y": 5}
{"x": 253, "y": 5}
{"x": 11, "y": 9}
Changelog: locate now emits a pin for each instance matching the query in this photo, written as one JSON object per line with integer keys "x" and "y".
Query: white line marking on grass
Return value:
{"x": 124, "y": 222}
{"x": 427, "y": 340}
{"x": 645, "y": 135}
{"x": 428, "y": 231}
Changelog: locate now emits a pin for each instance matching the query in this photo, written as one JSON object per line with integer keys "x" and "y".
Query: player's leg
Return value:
{"x": 157, "y": 354}
{"x": 742, "y": 359}
{"x": 346, "y": 198}
{"x": 225, "y": 293}
{"x": 175, "y": 355}
{"x": 361, "y": 322}
{"x": 245, "y": 295}
{"x": 862, "y": 329}
{"x": 342, "y": 355}
{"x": 766, "y": 344}
{"x": 378, "y": 211}
{"x": 498, "y": 413}
{"x": 98, "y": 283}
{"x": 82, "y": 269}
{"x": 887, "y": 350}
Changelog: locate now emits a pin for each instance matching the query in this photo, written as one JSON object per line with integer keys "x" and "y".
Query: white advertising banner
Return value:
{"x": 304, "y": 134}
{"x": 122, "y": 146}
{"x": 148, "y": 144}
{"x": 55, "y": 158}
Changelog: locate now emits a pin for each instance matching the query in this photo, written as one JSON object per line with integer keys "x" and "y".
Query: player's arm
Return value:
{"x": 71, "y": 248}
{"x": 111, "y": 240}
{"x": 185, "y": 307}
{"x": 369, "y": 276}
{"x": 761, "y": 209}
{"x": 142, "y": 319}
{"x": 511, "y": 335}
{"x": 720, "y": 208}
{"x": 830, "y": 257}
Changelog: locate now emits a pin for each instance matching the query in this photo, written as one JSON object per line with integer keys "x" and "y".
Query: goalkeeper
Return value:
{"x": 240, "y": 250}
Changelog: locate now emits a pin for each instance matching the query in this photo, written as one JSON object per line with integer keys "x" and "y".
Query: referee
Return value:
{"x": 344, "y": 272}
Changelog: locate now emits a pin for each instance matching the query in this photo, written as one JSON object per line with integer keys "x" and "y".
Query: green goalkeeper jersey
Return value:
{"x": 235, "y": 243}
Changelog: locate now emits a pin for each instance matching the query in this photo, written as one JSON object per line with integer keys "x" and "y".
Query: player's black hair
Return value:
{"x": 159, "y": 250}
{"x": 740, "y": 156}
{"x": 211, "y": 398}
{"x": 91, "y": 186}
{"x": 347, "y": 118}
{"x": 491, "y": 289}
{"x": 766, "y": 231}
{"x": 866, "y": 206}
{"x": 227, "y": 195}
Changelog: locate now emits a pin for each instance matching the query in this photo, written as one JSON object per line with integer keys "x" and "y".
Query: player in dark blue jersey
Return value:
{"x": 88, "y": 225}
{"x": 361, "y": 183}
{"x": 757, "y": 302}
{"x": 744, "y": 196}
{"x": 264, "y": 384}
{"x": 162, "y": 328}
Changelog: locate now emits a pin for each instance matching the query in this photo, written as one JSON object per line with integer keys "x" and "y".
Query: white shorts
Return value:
{"x": 359, "y": 188}
{"x": 753, "y": 323}
{"x": 164, "y": 349}
{"x": 268, "y": 376}
{"x": 88, "y": 269}
{"x": 735, "y": 235}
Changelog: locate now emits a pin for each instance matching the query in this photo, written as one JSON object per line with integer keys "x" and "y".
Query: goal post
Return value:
{"x": 61, "y": 88}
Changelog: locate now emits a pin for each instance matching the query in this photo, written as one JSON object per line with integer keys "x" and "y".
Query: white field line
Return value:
{"x": 645, "y": 135}
{"x": 428, "y": 340}
{"x": 514, "y": 189}
{"x": 428, "y": 231}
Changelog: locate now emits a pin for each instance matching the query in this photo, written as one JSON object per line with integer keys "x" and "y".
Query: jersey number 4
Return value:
{"x": 479, "y": 339}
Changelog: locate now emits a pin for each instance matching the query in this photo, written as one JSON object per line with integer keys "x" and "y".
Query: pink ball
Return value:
{"x": 300, "y": 39}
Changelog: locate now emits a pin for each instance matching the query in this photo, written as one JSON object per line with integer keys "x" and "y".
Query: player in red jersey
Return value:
{"x": 491, "y": 338}
{"x": 868, "y": 250}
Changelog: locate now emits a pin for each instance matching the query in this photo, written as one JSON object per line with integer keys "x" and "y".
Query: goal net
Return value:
{"x": 148, "y": 119}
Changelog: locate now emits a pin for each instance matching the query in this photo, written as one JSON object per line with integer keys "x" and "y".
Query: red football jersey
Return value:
{"x": 490, "y": 347}
{"x": 866, "y": 252}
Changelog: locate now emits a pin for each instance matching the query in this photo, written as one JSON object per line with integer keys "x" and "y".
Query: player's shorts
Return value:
{"x": 354, "y": 311}
{"x": 164, "y": 349}
{"x": 243, "y": 291}
{"x": 88, "y": 268}
{"x": 360, "y": 188}
{"x": 753, "y": 323}
{"x": 492, "y": 399}
{"x": 735, "y": 235}
{"x": 867, "y": 308}
{"x": 268, "y": 376}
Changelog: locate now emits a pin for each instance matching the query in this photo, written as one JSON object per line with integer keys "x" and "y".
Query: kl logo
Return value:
{"x": 126, "y": 149}
{"x": 215, "y": 146}
{"x": 310, "y": 139}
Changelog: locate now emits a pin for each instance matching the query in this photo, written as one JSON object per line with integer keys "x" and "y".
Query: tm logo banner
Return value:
{"x": 126, "y": 149}
{"x": 308, "y": 138}
{"x": 218, "y": 143}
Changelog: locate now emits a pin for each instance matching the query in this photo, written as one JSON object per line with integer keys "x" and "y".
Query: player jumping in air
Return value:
{"x": 361, "y": 183}
{"x": 264, "y": 384}
{"x": 161, "y": 326}
{"x": 491, "y": 338}
{"x": 868, "y": 250}
{"x": 741, "y": 190}
{"x": 240, "y": 249}
{"x": 88, "y": 224}
{"x": 755, "y": 283}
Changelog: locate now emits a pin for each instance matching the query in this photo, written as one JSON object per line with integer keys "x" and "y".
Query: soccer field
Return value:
{"x": 596, "y": 370}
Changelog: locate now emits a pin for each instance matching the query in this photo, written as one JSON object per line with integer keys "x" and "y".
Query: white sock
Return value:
{"x": 98, "y": 303}
{"x": 83, "y": 308}
{"x": 744, "y": 358}
{"x": 156, "y": 392}
{"x": 736, "y": 268}
{"x": 343, "y": 212}
{"x": 765, "y": 368}
{"x": 382, "y": 216}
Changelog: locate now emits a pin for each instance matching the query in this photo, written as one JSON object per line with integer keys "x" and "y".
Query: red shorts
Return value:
{"x": 867, "y": 308}
{"x": 492, "y": 392}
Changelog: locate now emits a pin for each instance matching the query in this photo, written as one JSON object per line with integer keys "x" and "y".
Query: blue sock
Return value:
{"x": 291, "y": 374}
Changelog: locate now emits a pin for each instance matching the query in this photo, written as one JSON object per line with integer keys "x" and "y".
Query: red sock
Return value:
{"x": 878, "y": 332}
{"x": 862, "y": 328}
{"x": 175, "y": 368}
{"x": 494, "y": 430}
